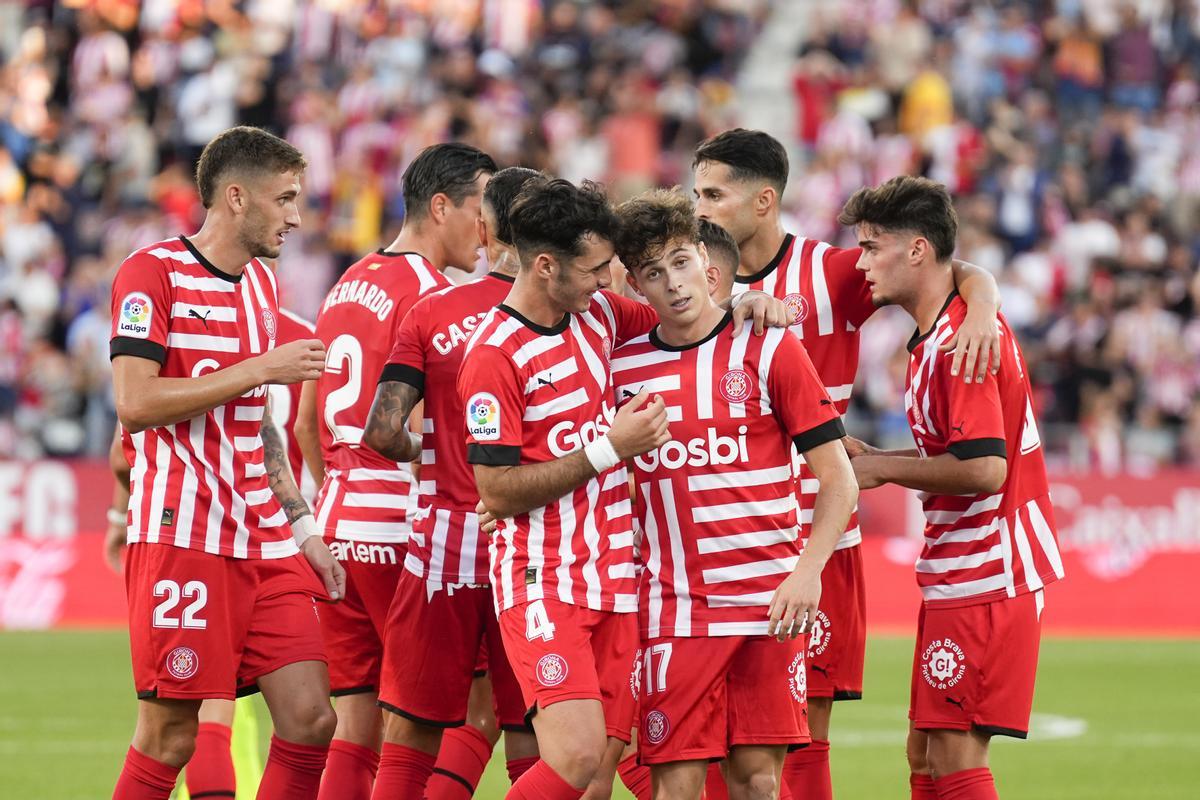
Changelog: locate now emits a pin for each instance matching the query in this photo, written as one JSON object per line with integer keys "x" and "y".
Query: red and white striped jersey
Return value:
{"x": 717, "y": 503}
{"x": 984, "y": 547}
{"x": 533, "y": 394}
{"x": 427, "y": 355}
{"x": 366, "y": 497}
{"x": 829, "y": 300}
{"x": 285, "y": 400}
{"x": 199, "y": 484}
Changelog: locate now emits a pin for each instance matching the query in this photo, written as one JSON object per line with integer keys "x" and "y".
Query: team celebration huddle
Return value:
{"x": 598, "y": 503}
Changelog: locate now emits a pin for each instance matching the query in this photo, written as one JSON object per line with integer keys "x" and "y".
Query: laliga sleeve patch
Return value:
{"x": 483, "y": 417}
{"x": 136, "y": 313}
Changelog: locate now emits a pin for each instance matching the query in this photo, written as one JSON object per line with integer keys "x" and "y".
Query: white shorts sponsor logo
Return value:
{"x": 819, "y": 636}
{"x": 798, "y": 679}
{"x": 551, "y": 669}
{"x": 182, "y": 663}
{"x": 943, "y": 664}
{"x": 736, "y": 385}
{"x": 657, "y": 727}
{"x": 137, "y": 310}
{"x": 714, "y": 450}
{"x": 483, "y": 417}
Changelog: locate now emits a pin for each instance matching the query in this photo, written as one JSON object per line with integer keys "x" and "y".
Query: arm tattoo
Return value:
{"x": 279, "y": 471}
{"x": 387, "y": 423}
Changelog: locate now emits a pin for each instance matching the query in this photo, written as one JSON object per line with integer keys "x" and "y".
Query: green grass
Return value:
{"x": 1115, "y": 719}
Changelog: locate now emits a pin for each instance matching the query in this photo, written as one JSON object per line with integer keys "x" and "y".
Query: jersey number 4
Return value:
{"x": 537, "y": 622}
{"x": 196, "y": 591}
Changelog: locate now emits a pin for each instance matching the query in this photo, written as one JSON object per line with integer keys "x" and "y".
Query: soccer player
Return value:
{"x": 717, "y": 507}
{"x": 990, "y": 545}
{"x": 221, "y": 593}
{"x": 740, "y": 176}
{"x": 444, "y": 596}
{"x": 363, "y": 508}
{"x": 547, "y": 452}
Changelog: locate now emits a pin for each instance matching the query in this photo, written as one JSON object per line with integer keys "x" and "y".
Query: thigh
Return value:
{"x": 1008, "y": 668}
{"x": 432, "y": 644}
{"x": 352, "y": 637}
{"x": 946, "y": 678}
{"x": 549, "y": 647}
{"x": 506, "y": 691}
{"x": 285, "y": 625}
{"x": 767, "y": 689}
{"x": 837, "y": 644}
{"x": 683, "y": 703}
{"x": 615, "y": 650}
{"x": 188, "y": 616}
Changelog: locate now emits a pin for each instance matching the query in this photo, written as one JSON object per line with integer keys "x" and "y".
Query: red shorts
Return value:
{"x": 837, "y": 646}
{"x": 207, "y": 626}
{"x": 353, "y": 628}
{"x": 434, "y": 638}
{"x": 563, "y": 652}
{"x": 974, "y": 666}
{"x": 702, "y": 695}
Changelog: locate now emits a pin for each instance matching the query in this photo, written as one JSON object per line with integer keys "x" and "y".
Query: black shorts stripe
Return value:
{"x": 433, "y": 723}
{"x": 994, "y": 730}
{"x": 845, "y": 694}
{"x": 353, "y": 690}
{"x": 215, "y": 793}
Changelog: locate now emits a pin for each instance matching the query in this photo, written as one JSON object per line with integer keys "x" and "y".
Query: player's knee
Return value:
{"x": 580, "y": 759}
{"x": 761, "y": 786}
{"x": 175, "y": 744}
{"x": 315, "y": 726}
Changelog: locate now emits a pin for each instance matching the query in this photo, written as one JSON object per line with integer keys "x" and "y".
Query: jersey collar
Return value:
{"x": 208, "y": 265}
{"x": 919, "y": 337}
{"x": 541, "y": 330}
{"x": 500, "y": 276}
{"x": 772, "y": 265}
{"x": 671, "y": 348}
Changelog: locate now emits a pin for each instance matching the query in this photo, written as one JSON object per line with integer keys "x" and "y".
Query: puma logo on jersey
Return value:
{"x": 628, "y": 393}
{"x": 547, "y": 382}
{"x": 196, "y": 314}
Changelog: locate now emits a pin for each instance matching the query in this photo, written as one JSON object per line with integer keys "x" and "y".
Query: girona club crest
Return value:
{"x": 736, "y": 385}
{"x": 551, "y": 669}
{"x": 268, "y": 320}
{"x": 657, "y": 727}
{"x": 182, "y": 663}
{"x": 797, "y": 306}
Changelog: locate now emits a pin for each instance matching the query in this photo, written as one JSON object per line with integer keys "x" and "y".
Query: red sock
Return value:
{"x": 806, "y": 772}
{"x": 209, "y": 772}
{"x": 922, "y": 787}
{"x": 969, "y": 784}
{"x": 143, "y": 778}
{"x": 461, "y": 760}
{"x": 714, "y": 784}
{"x": 293, "y": 771}
{"x": 635, "y": 777}
{"x": 349, "y": 772}
{"x": 403, "y": 772}
{"x": 540, "y": 782}
{"x": 519, "y": 766}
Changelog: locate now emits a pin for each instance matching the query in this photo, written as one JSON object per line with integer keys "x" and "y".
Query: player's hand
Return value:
{"x": 114, "y": 547}
{"x": 639, "y": 426}
{"x": 487, "y": 522}
{"x": 331, "y": 573}
{"x": 857, "y": 447}
{"x": 765, "y": 310}
{"x": 867, "y": 472}
{"x": 976, "y": 345}
{"x": 794, "y": 605}
{"x": 294, "y": 362}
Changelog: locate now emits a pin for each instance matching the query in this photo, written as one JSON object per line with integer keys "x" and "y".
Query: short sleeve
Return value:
{"x": 406, "y": 363}
{"x": 629, "y": 318}
{"x": 973, "y": 420}
{"x": 798, "y": 399}
{"x": 851, "y": 289}
{"x": 141, "y": 309}
{"x": 493, "y": 396}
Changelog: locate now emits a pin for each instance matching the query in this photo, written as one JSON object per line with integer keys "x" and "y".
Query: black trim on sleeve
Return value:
{"x": 494, "y": 455}
{"x": 815, "y": 437}
{"x": 142, "y": 348}
{"x": 208, "y": 265}
{"x": 919, "y": 337}
{"x": 772, "y": 265}
{"x": 977, "y": 448}
{"x": 404, "y": 373}
{"x": 997, "y": 731}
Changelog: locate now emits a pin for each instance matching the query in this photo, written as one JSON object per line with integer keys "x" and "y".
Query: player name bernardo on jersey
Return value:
{"x": 366, "y": 294}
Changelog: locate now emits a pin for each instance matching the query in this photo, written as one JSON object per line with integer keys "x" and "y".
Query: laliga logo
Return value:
{"x": 483, "y": 411}
{"x": 136, "y": 308}
{"x": 564, "y": 439}
{"x": 699, "y": 452}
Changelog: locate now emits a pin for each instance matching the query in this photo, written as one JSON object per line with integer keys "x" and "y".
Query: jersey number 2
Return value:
{"x": 171, "y": 591}
{"x": 345, "y": 355}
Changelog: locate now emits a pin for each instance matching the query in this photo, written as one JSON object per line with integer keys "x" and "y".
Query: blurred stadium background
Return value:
{"x": 1067, "y": 131}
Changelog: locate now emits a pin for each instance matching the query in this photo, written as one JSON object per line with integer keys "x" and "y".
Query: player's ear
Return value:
{"x": 482, "y": 230}
{"x": 235, "y": 197}
{"x": 439, "y": 207}
{"x": 918, "y": 248}
{"x": 766, "y": 198}
{"x": 545, "y": 265}
{"x": 632, "y": 281}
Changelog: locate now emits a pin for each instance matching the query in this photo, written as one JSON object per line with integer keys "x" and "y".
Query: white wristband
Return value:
{"x": 304, "y": 528}
{"x": 116, "y": 516}
{"x": 602, "y": 455}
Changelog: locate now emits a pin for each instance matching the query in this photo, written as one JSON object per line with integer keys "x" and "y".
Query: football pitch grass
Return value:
{"x": 1112, "y": 719}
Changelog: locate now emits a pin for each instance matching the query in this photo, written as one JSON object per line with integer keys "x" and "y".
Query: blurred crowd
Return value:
{"x": 1065, "y": 129}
